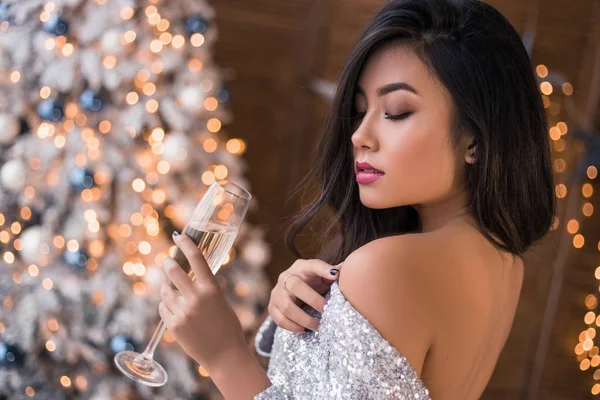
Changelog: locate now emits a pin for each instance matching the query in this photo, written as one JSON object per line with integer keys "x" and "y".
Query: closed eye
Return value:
{"x": 388, "y": 116}
{"x": 398, "y": 117}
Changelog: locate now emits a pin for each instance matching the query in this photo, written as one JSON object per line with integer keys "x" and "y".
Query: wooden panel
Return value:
{"x": 272, "y": 46}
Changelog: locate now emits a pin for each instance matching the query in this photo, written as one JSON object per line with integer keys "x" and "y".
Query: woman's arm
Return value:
{"x": 239, "y": 375}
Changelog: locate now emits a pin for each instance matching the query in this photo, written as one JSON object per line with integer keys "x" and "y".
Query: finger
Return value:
{"x": 177, "y": 275}
{"x": 295, "y": 313}
{"x": 170, "y": 298}
{"x": 301, "y": 290}
{"x": 284, "y": 322}
{"x": 165, "y": 314}
{"x": 306, "y": 269}
{"x": 325, "y": 270}
{"x": 196, "y": 259}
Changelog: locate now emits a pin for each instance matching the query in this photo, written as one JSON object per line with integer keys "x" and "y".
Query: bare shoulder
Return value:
{"x": 444, "y": 299}
{"x": 389, "y": 282}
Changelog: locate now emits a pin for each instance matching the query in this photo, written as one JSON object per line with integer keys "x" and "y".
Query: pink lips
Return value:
{"x": 370, "y": 175}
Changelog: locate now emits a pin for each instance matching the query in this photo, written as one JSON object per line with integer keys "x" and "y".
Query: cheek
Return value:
{"x": 421, "y": 168}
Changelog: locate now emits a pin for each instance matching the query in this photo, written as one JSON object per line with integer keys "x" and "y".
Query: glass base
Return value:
{"x": 141, "y": 370}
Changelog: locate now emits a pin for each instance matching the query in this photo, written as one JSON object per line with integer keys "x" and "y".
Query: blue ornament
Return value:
{"x": 10, "y": 355}
{"x": 122, "y": 343}
{"x": 196, "y": 24}
{"x": 90, "y": 101}
{"x": 82, "y": 178}
{"x": 222, "y": 94}
{"x": 76, "y": 259}
{"x": 56, "y": 26}
{"x": 51, "y": 110}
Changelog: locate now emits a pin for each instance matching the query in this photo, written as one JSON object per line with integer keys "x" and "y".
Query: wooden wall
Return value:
{"x": 276, "y": 49}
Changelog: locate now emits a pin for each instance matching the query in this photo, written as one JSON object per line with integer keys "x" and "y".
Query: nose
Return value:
{"x": 363, "y": 136}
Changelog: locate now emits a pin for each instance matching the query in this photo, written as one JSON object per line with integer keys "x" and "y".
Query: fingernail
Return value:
{"x": 334, "y": 271}
{"x": 307, "y": 330}
{"x": 175, "y": 233}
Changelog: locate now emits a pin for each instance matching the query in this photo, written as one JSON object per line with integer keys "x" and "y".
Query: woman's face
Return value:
{"x": 413, "y": 152}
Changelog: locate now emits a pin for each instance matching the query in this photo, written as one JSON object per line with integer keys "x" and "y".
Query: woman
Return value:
{"x": 436, "y": 162}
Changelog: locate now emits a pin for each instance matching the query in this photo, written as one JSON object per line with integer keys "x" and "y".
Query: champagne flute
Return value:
{"x": 213, "y": 227}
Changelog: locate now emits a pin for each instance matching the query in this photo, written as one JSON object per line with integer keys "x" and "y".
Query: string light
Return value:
{"x": 8, "y": 257}
{"x": 126, "y": 13}
{"x": 158, "y": 134}
{"x": 50, "y": 346}
{"x": 53, "y": 324}
{"x": 132, "y": 98}
{"x": 197, "y": 40}
{"x": 128, "y": 37}
{"x": 208, "y": 178}
{"x": 138, "y": 185}
{"x": 163, "y": 167}
{"x": 210, "y": 145}
{"x": 128, "y": 268}
{"x": 139, "y": 288}
{"x": 163, "y": 25}
{"x": 109, "y": 61}
{"x": 195, "y": 65}
{"x": 144, "y": 247}
{"x": 67, "y": 49}
{"x": 178, "y": 41}
{"x": 150, "y": 11}
{"x": 104, "y": 126}
{"x": 33, "y": 270}
{"x": 65, "y": 381}
{"x": 47, "y": 284}
{"x": 15, "y": 76}
{"x": 152, "y": 106}
{"x": 541, "y": 70}
{"x": 81, "y": 383}
{"x": 165, "y": 38}
{"x": 156, "y": 46}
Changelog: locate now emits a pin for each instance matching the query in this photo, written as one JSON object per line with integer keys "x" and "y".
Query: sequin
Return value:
{"x": 346, "y": 358}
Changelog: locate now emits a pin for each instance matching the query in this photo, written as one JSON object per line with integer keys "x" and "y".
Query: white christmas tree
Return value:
{"x": 111, "y": 115}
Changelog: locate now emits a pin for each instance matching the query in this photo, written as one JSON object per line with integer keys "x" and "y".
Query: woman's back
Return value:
{"x": 479, "y": 289}
{"x": 445, "y": 299}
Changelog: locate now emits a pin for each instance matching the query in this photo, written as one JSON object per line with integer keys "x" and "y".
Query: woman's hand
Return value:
{"x": 311, "y": 279}
{"x": 199, "y": 317}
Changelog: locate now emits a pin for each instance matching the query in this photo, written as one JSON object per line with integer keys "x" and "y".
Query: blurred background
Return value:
{"x": 116, "y": 115}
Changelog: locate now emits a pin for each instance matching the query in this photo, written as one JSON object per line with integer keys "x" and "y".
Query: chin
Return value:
{"x": 372, "y": 201}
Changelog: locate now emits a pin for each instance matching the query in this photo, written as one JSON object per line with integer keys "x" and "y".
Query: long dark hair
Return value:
{"x": 475, "y": 52}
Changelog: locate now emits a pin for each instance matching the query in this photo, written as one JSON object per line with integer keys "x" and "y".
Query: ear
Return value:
{"x": 471, "y": 153}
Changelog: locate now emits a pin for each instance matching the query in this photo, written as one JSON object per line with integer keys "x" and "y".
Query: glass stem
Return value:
{"x": 148, "y": 354}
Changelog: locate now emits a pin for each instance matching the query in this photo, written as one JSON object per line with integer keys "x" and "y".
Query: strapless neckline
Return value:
{"x": 335, "y": 292}
{"x": 346, "y": 358}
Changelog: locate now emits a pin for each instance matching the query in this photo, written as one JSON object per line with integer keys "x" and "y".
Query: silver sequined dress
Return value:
{"x": 346, "y": 359}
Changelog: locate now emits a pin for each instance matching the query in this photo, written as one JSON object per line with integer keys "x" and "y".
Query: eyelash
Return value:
{"x": 398, "y": 117}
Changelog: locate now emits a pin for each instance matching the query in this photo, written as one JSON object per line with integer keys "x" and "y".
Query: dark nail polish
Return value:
{"x": 334, "y": 271}
{"x": 307, "y": 330}
{"x": 175, "y": 233}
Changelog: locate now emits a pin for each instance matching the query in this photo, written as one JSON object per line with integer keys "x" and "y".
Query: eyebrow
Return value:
{"x": 390, "y": 87}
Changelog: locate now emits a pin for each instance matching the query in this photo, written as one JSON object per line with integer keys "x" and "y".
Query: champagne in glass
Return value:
{"x": 213, "y": 227}
{"x": 213, "y": 239}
